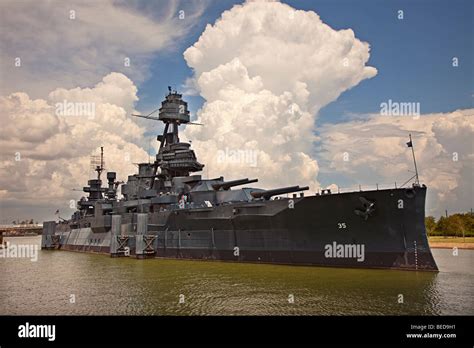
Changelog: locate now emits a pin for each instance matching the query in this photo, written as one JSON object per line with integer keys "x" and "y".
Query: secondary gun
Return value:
{"x": 225, "y": 185}
{"x": 267, "y": 194}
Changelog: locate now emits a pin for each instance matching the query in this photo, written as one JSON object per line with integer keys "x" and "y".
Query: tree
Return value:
{"x": 430, "y": 224}
{"x": 442, "y": 226}
{"x": 468, "y": 220}
{"x": 455, "y": 225}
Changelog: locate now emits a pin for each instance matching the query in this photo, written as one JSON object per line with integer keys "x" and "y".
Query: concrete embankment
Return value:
{"x": 451, "y": 242}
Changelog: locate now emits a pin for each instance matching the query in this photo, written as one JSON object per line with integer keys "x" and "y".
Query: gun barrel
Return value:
{"x": 279, "y": 191}
{"x": 225, "y": 185}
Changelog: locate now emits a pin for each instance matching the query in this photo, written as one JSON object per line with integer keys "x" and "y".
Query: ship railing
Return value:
{"x": 360, "y": 188}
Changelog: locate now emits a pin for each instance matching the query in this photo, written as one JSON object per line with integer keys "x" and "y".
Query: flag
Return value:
{"x": 410, "y": 144}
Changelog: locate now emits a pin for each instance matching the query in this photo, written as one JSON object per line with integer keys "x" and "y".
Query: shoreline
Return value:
{"x": 434, "y": 244}
{"x": 437, "y": 242}
{"x": 450, "y": 245}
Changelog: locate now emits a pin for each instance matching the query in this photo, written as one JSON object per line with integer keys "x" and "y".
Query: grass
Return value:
{"x": 441, "y": 239}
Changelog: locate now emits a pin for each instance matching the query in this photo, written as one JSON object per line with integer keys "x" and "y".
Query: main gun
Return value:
{"x": 225, "y": 185}
{"x": 267, "y": 194}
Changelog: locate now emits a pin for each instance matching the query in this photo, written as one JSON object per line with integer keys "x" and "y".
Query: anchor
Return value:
{"x": 369, "y": 208}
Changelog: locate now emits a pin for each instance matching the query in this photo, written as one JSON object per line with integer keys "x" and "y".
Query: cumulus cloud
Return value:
{"x": 69, "y": 44}
{"x": 374, "y": 150}
{"x": 265, "y": 70}
{"x": 45, "y": 154}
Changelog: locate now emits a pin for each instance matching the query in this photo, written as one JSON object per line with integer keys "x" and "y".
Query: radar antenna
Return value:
{"x": 97, "y": 162}
{"x": 95, "y": 189}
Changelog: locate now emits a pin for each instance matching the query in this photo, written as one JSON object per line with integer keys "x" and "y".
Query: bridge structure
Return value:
{"x": 20, "y": 230}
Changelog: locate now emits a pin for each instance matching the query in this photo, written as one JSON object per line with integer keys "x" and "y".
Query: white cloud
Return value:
{"x": 265, "y": 70}
{"x": 54, "y": 149}
{"x": 377, "y": 152}
{"x": 57, "y": 51}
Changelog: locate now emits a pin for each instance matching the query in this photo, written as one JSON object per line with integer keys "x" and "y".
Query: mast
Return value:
{"x": 100, "y": 168}
{"x": 95, "y": 189}
{"x": 410, "y": 144}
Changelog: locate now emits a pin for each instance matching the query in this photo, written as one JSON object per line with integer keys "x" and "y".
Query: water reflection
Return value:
{"x": 102, "y": 285}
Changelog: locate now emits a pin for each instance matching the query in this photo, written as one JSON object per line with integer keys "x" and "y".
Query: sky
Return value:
{"x": 413, "y": 55}
{"x": 296, "y": 85}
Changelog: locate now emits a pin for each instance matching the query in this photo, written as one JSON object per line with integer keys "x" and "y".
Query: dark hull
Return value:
{"x": 393, "y": 236}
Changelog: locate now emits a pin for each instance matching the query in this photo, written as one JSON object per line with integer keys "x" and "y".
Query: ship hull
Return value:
{"x": 319, "y": 230}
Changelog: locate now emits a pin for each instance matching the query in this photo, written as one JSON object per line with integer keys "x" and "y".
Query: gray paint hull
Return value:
{"x": 281, "y": 231}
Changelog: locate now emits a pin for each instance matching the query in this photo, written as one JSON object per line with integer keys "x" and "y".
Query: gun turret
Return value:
{"x": 267, "y": 194}
{"x": 225, "y": 185}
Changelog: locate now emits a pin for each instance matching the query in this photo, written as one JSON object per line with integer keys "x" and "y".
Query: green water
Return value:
{"x": 102, "y": 285}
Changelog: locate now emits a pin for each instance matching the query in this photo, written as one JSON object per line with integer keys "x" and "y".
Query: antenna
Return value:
{"x": 157, "y": 119}
{"x": 94, "y": 161}
{"x": 101, "y": 158}
{"x": 97, "y": 162}
{"x": 410, "y": 144}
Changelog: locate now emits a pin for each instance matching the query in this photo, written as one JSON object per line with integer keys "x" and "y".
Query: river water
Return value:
{"x": 70, "y": 283}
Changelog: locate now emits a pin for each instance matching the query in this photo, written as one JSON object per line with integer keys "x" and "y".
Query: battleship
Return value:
{"x": 167, "y": 211}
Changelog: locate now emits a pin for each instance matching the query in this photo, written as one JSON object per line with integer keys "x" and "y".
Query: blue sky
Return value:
{"x": 413, "y": 56}
{"x": 78, "y": 58}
